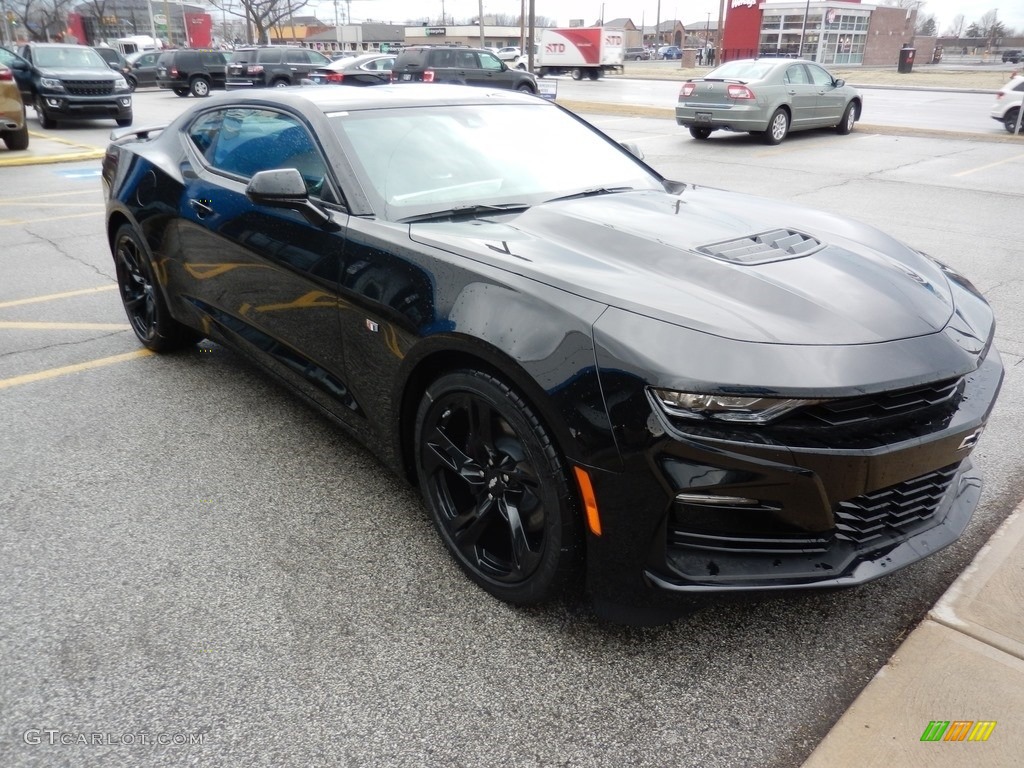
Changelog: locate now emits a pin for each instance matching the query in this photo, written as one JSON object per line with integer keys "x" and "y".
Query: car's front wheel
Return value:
{"x": 496, "y": 488}
{"x": 848, "y": 120}
{"x": 699, "y": 133}
{"x": 526, "y": 88}
{"x": 147, "y": 313}
{"x": 123, "y": 122}
{"x": 45, "y": 121}
{"x": 778, "y": 127}
{"x": 1010, "y": 121}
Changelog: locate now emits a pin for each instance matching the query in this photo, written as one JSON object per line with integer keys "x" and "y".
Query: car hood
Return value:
{"x": 686, "y": 259}
{"x": 79, "y": 73}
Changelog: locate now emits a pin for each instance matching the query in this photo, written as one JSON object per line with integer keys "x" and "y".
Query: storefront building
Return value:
{"x": 832, "y": 32}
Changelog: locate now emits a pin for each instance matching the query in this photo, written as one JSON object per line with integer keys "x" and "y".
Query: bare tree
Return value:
{"x": 260, "y": 15}
{"x": 44, "y": 19}
{"x": 956, "y": 29}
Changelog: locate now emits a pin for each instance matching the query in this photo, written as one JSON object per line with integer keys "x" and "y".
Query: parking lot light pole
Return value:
{"x": 803, "y": 29}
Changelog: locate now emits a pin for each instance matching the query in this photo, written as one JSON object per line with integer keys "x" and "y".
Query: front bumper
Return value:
{"x": 699, "y": 513}
{"x": 72, "y": 106}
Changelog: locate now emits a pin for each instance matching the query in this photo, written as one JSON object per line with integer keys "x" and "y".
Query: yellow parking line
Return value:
{"x": 5, "y": 200}
{"x": 72, "y": 157}
{"x": 53, "y": 373}
{"x": 36, "y": 204}
{"x": 14, "y": 325}
{"x": 986, "y": 167}
{"x": 19, "y": 222}
{"x": 55, "y": 296}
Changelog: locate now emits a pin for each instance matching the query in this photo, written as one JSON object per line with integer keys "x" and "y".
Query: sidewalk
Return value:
{"x": 44, "y": 147}
{"x": 963, "y": 664}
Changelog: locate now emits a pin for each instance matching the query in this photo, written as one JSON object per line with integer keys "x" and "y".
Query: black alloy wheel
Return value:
{"x": 147, "y": 313}
{"x": 495, "y": 488}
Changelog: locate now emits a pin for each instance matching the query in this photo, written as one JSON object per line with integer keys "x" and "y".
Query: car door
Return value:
{"x": 215, "y": 64}
{"x": 22, "y": 71}
{"x": 801, "y": 94}
{"x": 491, "y": 71}
{"x": 266, "y": 277}
{"x": 831, "y": 101}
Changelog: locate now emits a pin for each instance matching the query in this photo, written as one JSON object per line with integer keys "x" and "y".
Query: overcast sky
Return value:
{"x": 1010, "y": 12}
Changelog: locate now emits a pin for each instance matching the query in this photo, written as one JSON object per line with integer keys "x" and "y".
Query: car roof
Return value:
{"x": 330, "y": 100}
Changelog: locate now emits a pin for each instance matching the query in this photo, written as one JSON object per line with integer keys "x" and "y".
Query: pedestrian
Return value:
{"x": 700, "y": 57}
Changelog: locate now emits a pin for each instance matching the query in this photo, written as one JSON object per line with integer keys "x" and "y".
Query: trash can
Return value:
{"x": 907, "y": 59}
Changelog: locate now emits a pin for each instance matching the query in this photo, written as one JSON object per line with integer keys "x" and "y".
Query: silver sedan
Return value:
{"x": 770, "y": 97}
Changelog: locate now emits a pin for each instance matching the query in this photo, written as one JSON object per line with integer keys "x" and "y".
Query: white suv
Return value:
{"x": 1008, "y": 101}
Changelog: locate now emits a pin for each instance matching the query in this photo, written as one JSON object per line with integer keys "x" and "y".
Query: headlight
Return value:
{"x": 51, "y": 83}
{"x": 120, "y": 84}
{"x": 750, "y": 410}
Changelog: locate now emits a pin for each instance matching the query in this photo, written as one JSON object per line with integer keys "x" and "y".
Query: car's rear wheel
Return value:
{"x": 778, "y": 127}
{"x": 147, "y": 313}
{"x": 45, "y": 121}
{"x": 496, "y": 488}
{"x": 699, "y": 133}
{"x": 182, "y": 91}
{"x": 281, "y": 83}
{"x": 17, "y": 140}
{"x": 200, "y": 87}
{"x": 848, "y": 120}
{"x": 1010, "y": 120}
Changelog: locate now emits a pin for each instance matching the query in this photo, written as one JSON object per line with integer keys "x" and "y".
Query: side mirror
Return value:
{"x": 633, "y": 149}
{"x": 284, "y": 188}
{"x": 839, "y": 82}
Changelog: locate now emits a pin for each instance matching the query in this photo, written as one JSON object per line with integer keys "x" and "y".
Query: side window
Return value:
{"x": 269, "y": 56}
{"x": 468, "y": 60}
{"x": 796, "y": 75}
{"x": 443, "y": 59}
{"x": 297, "y": 56}
{"x": 819, "y": 76}
{"x": 487, "y": 61}
{"x": 244, "y": 141}
{"x": 317, "y": 59}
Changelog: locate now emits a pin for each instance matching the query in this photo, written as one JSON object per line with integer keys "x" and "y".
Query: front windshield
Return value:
{"x": 70, "y": 57}
{"x": 422, "y": 159}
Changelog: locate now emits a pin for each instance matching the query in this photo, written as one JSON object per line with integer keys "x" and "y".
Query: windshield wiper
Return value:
{"x": 592, "y": 192}
{"x": 467, "y": 211}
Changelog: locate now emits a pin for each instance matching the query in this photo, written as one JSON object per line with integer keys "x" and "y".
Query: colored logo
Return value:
{"x": 958, "y": 730}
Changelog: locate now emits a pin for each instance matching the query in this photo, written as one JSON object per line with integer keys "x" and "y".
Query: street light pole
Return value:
{"x": 803, "y": 29}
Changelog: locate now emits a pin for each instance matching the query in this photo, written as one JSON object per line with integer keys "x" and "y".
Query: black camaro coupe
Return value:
{"x": 597, "y": 377}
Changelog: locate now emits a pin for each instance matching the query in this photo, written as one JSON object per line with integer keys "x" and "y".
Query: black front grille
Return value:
{"x": 893, "y": 511}
{"x": 885, "y": 405}
{"x": 89, "y": 87}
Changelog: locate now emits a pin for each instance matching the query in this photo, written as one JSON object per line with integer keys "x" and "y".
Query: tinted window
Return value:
{"x": 244, "y": 141}
{"x": 297, "y": 56}
{"x": 269, "y": 56}
{"x": 214, "y": 59}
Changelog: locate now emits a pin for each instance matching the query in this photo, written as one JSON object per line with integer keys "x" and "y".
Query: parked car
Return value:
{"x": 13, "y": 126}
{"x": 1013, "y": 55}
{"x": 195, "y": 71}
{"x": 587, "y": 368}
{"x": 670, "y": 52}
{"x": 369, "y": 69}
{"x": 144, "y": 66}
{"x": 117, "y": 62}
{"x": 70, "y": 82}
{"x": 509, "y": 52}
{"x": 769, "y": 97}
{"x": 1008, "y": 104}
{"x": 464, "y": 66}
{"x": 272, "y": 66}
{"x": 637, "y": 54}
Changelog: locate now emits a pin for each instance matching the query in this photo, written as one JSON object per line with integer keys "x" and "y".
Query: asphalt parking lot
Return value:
{"x": 198, "y": 569}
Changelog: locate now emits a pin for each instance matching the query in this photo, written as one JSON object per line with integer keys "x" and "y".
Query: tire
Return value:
{"x": 848, "y": 119}
{"x": 594, "y": 74}
{"x": 280, "y": 83}
{"x": 1010, "y": 120}
{"x": 638, "y": 58}
{"x": 132, "y": 84}
{"x": 701, "y": 134}
{"x": 143, "y": 303}
{"x": 577, "y": 73}
{"x": 123, "y": 122}
{"x": 45, "y": 121}
{"x": 526, "y": 88}
{"x": 496, "y": 488}
{"x": 778, "y": 127}
{"x": 182, "y": 91}
{"x": 199, "y": 87}
{"x": 17, "y": 140}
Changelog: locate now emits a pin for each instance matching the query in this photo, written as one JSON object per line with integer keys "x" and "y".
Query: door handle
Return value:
{"x": 202, "y": 208}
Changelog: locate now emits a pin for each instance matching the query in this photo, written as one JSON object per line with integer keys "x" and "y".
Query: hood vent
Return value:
{"x": 775, "y": 245}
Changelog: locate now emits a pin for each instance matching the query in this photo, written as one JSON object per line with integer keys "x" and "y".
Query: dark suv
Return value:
{"x": 70, "y": 82}
{"x": 274, "y": 66}
{"x": 191, "y": 70}
{"x": 466, "y": 66}
{"x": 1012, "y": 55}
